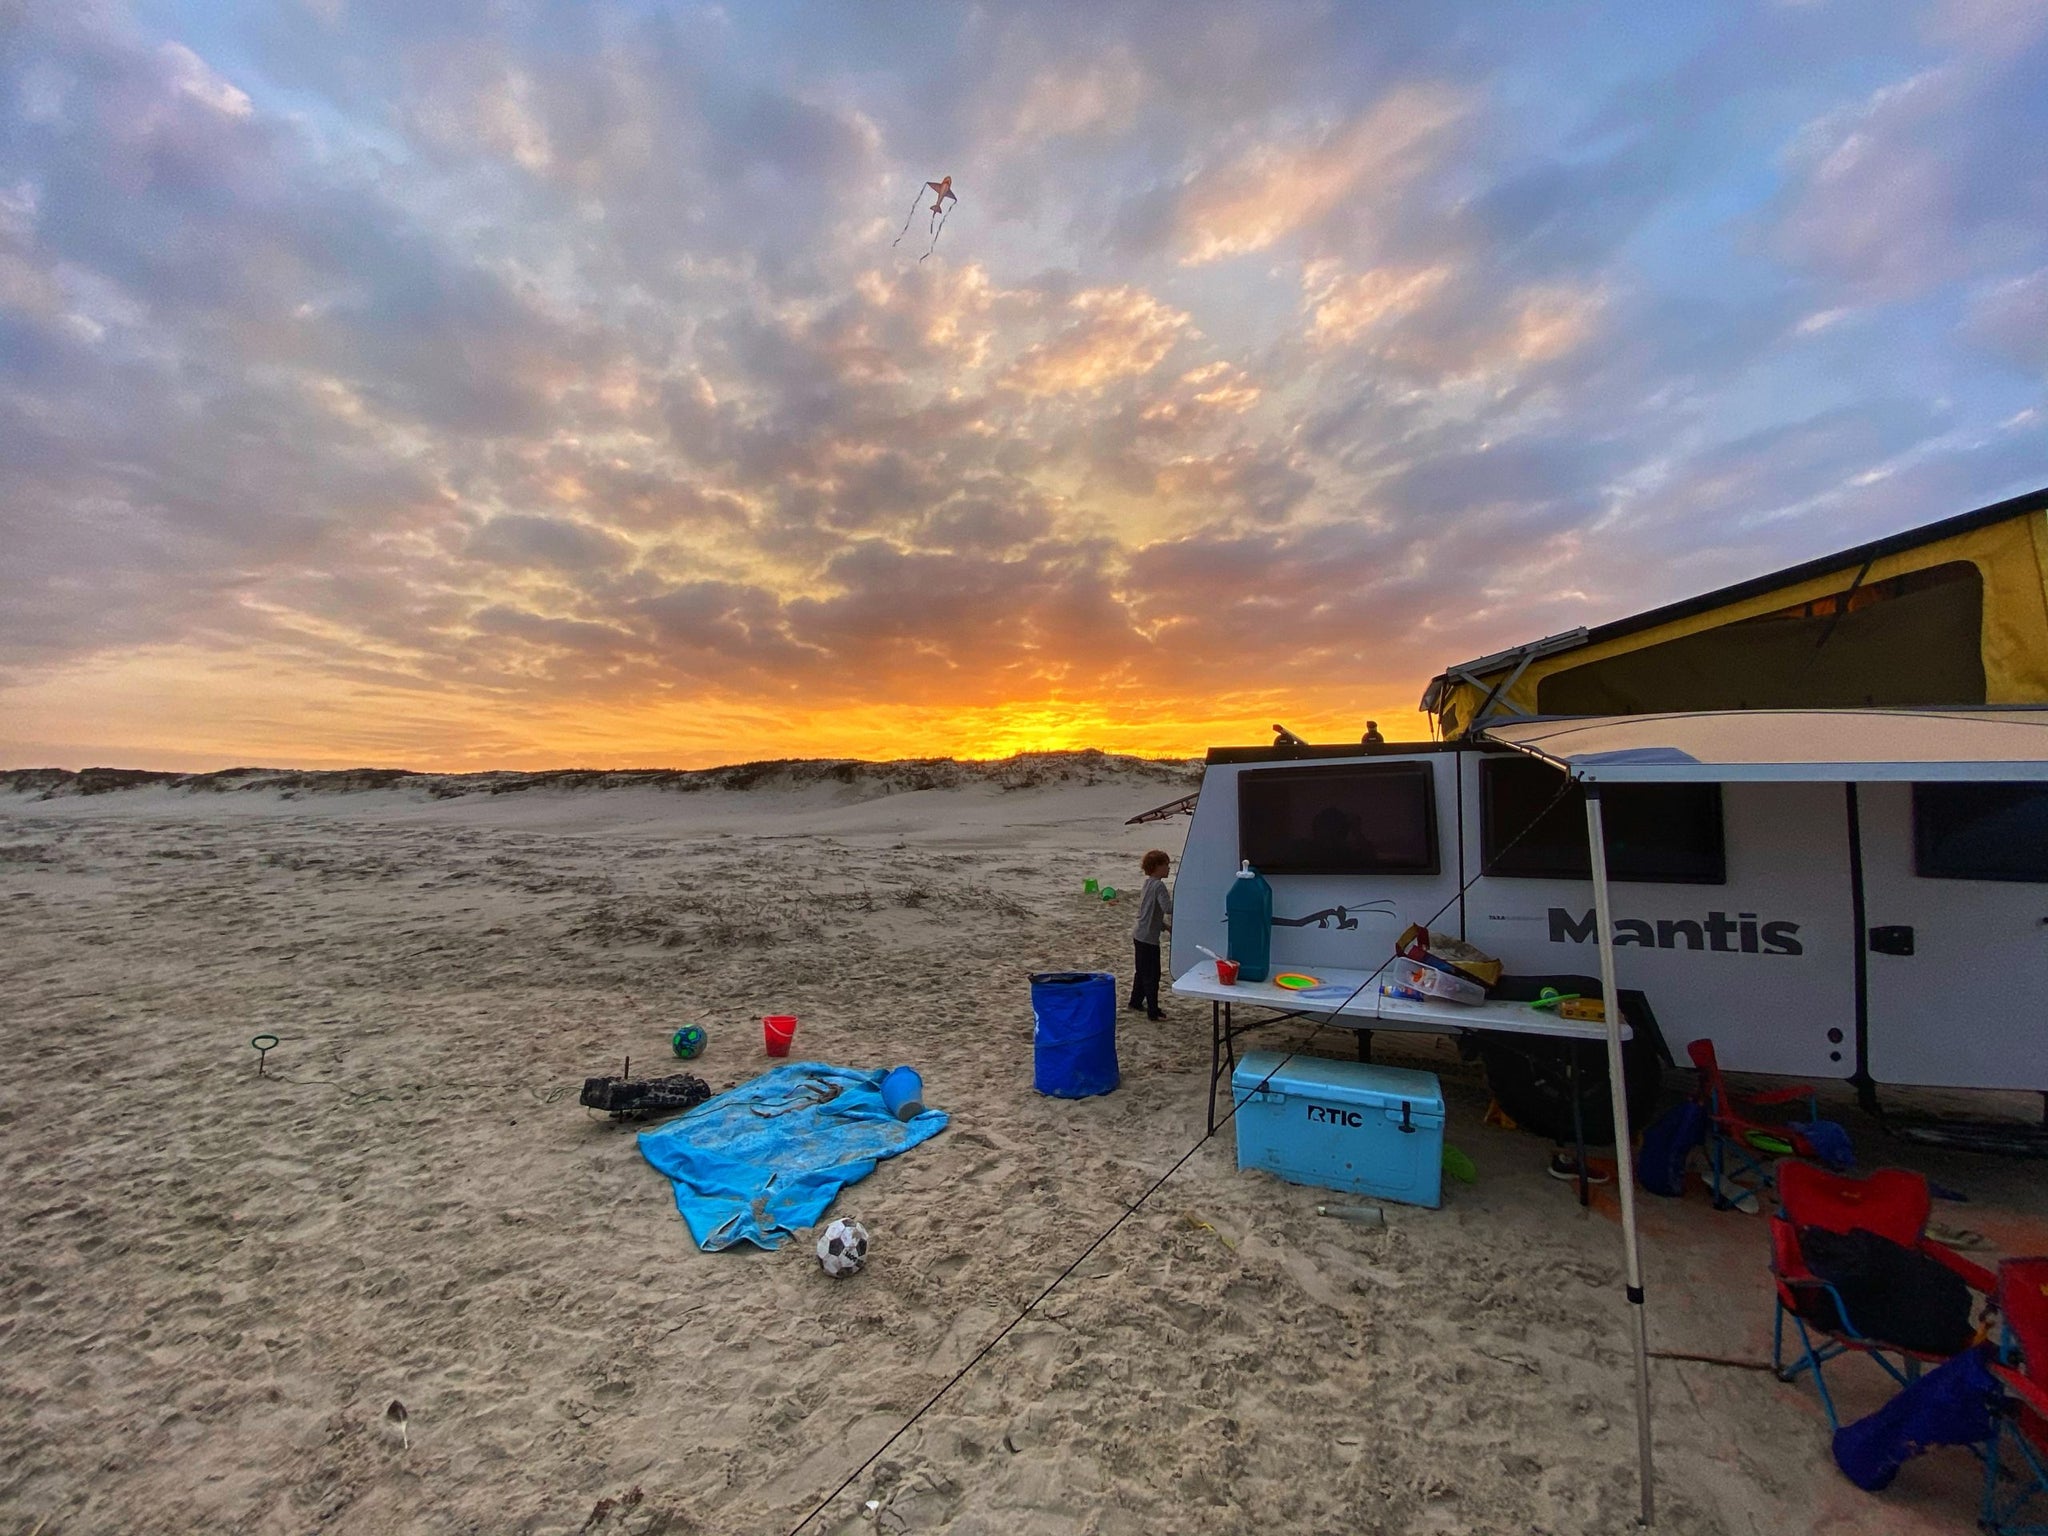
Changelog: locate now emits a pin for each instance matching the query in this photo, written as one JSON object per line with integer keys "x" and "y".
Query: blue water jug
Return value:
{"x": 1248, "y": 914}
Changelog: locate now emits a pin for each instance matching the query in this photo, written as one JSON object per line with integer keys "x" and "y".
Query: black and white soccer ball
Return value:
{"x": 843, "y": 1248}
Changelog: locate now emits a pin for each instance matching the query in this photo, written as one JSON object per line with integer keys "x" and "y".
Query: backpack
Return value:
{"x": 1660, "y": 1167}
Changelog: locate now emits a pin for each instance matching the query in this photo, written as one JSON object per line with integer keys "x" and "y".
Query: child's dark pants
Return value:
{"x": 1145, "y": 979}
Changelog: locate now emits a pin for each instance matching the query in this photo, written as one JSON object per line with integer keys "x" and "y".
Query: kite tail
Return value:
{"x": 916, "y": 198}
{"x": 939, "y": 229}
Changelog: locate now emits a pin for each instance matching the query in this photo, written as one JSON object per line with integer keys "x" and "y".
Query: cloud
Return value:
{"x": 1347, "y": 306}
{"x": 191, "y": 76}
{"x": 1268, "y": 191}
{"x": 519, "y": 539}
{"x": 1996, "y": 28}
{"x": 1104, "y": 95}
{"x": 1448, "y": 324}
{"x": 1119, "y": 333}
{"x": 1925, "y": 180}
{"x": 2011, "y": 319}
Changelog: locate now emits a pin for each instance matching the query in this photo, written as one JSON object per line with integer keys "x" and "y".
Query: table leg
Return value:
{"x": 1578, "y": 1127}
{"x": 1215, "y": 1057}
{"x": 1365, "y": 1046}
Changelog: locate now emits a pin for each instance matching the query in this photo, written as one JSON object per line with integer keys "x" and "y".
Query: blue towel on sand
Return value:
{"x": 755, "y": 1164}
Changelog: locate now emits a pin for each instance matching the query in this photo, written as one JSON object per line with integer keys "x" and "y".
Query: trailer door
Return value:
{"x": 1955, "y": 882}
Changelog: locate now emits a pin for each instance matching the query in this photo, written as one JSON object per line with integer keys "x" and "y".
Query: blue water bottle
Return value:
{"x": 1248, "y": 914}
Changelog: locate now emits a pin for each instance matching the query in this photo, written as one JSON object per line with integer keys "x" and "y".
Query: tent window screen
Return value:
{"x": 1366, "y": 819}
{"x": 1912, "y": 639}
{"x": 1981, "y": 832}
{"x": 1661, "y": 833}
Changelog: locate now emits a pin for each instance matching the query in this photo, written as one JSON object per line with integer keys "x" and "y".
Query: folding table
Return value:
{"x": 1351, "y": 999}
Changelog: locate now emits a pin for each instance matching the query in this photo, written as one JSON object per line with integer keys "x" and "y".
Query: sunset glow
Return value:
{"x": 464, "y": 386}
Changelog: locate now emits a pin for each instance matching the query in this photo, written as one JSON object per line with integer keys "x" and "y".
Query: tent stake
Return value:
{"x": 1624, "y": 1161}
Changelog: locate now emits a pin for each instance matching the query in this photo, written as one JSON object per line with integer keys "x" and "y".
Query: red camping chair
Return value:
{"x": 2021, "y": 1415}
{"x": 1893, "y": 1204}
{"x": 1733, "y": 1135}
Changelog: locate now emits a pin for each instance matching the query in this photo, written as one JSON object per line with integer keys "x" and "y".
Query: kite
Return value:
{"x": 942, "y": 207}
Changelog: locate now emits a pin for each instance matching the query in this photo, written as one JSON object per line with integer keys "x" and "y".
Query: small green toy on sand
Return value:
{"x": 689, "y": 1041}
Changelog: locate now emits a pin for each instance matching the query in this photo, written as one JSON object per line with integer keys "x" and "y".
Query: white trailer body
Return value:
{"x": 1815, "y": 929}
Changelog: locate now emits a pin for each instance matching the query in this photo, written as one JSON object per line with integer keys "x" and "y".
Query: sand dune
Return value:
{"x": 217, "y": 1281}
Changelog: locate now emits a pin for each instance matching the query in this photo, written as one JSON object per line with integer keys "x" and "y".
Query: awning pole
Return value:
{"x": 1624, "y": 1162}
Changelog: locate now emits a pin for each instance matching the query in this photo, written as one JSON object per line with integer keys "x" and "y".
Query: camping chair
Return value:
{"x": 2020, "y": 1417}
{"x": 1739, "y": 1147}
{"x": 1891, "y": 1203}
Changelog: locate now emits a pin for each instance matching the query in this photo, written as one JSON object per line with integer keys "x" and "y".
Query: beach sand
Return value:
{"x": 215, "y": 1282}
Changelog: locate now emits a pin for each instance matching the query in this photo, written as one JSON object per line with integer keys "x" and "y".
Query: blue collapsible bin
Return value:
{"x": 1074, "y": 1033}
{"x": 1343, "y": 1125}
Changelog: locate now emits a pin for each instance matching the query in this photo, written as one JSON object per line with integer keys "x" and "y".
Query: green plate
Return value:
{"x": 1294, "y": 981}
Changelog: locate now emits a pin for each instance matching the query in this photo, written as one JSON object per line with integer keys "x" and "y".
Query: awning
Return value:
{"x": 1832, "y": 746}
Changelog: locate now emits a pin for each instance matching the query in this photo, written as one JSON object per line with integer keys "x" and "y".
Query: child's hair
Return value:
{"x": 1154, "y": 861}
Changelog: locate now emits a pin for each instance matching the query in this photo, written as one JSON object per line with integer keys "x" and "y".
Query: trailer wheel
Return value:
{"x": 1530, "y": 1076}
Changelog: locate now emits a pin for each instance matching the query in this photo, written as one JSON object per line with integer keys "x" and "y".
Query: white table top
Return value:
{"x": 1369, "y": 1007}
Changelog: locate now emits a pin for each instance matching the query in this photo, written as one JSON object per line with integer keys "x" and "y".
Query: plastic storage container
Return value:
{"x": 1248, "y": 916}
{"x": 1074, "y": 1033}
{"x": 1342, "y": 1125}
{"x": 1412, "y": 978}
{"x": 903, "y": 1093}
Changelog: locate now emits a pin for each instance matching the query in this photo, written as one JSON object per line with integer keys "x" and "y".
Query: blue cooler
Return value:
{"x": 1342, "y": 1125}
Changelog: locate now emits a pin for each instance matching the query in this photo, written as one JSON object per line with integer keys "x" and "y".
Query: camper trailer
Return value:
{"x": 1883, "y": 933}
{"x": 1887, "y": 924}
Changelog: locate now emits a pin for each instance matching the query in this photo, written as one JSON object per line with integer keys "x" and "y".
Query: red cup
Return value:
{"x": 1226, "y": 972}
{"x": 777, "y": 1030}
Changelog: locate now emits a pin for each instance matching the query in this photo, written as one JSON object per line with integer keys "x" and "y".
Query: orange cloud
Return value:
{"x": 1434, "y": 319}
{"x": 1202, "y": 395}
{"x": 1270, "y": 191}
{"x": 1354, "y": 304}
{"x": 1121, "y": 333}
{"x": 1104, "y": 95}
{"x": 1552, "y": 322}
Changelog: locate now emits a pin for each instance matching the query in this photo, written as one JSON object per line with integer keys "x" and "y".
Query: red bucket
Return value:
{"x": 777, "y": 1030}
{"x": 1226, "y": 972}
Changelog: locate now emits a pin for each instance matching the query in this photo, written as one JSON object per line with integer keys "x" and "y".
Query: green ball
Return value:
{"x": 689, "y": 1041}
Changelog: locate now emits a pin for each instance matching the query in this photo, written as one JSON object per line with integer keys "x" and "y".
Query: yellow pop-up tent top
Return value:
{"x": 1955, "y": 612}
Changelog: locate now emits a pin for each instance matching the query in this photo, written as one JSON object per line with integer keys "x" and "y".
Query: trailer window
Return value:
{"x": 1358, "y": 819}
{"x": 1981, "y": 832}
{"x": 1662, "y": 833}
{"x": 1913, "y": 639}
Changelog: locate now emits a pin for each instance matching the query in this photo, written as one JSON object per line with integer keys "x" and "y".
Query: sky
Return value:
{"x": 488, "y": 384}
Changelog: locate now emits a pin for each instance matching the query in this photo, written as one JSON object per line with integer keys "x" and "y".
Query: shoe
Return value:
{"x": 1134, "y": 1007}
{"x": 1563, "y": 1167}
{"x": 1729, "y": 1195}
{"x": 1956, "y": 1237}
{"x": 1155, "y": 1017}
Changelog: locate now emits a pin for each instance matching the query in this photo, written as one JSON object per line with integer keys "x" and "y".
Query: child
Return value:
{"x": 1155, "y": 916}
